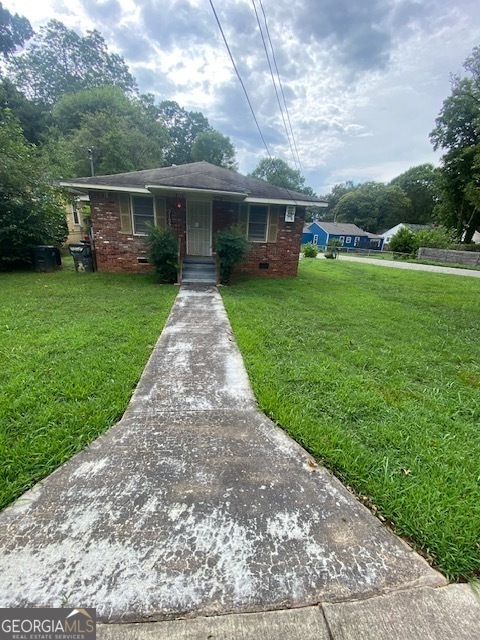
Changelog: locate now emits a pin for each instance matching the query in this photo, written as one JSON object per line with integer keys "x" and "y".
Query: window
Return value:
{"x": 315, "y": 239}
{"x": 76, "y": 215}
{"x": 342, "y": 239}
{"x": 143, "y": 213}
{"x": 257, "y": 223}
{"x": 349, "y": 240}
{"x": 355, "y": 242}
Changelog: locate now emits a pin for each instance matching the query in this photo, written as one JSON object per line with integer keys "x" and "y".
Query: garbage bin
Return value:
{"x": 82, "y": 256}
{"x": 46, "y": 258}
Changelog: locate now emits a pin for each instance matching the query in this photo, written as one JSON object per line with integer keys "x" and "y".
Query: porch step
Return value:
{"x": 199, "y": 269}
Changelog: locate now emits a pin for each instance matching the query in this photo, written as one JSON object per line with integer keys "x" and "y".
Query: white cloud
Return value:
{"x": 364, "y": 81}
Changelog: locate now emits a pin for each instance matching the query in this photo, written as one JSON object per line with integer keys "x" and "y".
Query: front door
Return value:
{"x": 199, "y": 228}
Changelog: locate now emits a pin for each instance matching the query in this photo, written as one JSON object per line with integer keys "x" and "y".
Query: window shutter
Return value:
{"x": 125, "y": 216}
{"x": 160, "y": 213}
{"x": 243, "y": 218}
{"x": 273, "y": 224}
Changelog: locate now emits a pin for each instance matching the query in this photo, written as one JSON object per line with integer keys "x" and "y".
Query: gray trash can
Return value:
{"x": 82, "y": 256}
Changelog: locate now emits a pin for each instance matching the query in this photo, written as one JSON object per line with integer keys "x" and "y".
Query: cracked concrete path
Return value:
{"x": 196, "y": 504}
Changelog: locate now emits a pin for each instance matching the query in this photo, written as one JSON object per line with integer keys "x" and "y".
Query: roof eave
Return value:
{"x": 288, "y": 201}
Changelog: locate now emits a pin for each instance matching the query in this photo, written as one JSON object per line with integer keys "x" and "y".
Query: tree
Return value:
{"x": 334, "y": 196}
{"x": 118, "y": 145}
{"x": 457, "y": 131}
{"x": 276, "y": 171}
{"x": 59, "y": 61}
{"x": 123, "y": 133}
{"x": 183, "y": 127}
{"x": 32, "y": 211}
{"x": 32, "y": 117}
{"x": 373, "y": 206}
{"x": 15, "y": 30}
{"x": 214, "y": 147}
{"x": 420, "y": 183}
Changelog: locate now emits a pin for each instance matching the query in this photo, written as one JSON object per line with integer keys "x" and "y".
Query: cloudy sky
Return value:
{"x": 363, "y": 79}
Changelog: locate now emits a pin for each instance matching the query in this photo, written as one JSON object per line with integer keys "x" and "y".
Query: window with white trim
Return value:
{"x": 342, "y": 239}
{"x": 315, "y": 239}
{"x": 143, "y": 213}
{"x": 76, "y": 215}
{"x": 349, "y": 240}
{"x": 356, "y": 241}
{"x": 257, "y": 223}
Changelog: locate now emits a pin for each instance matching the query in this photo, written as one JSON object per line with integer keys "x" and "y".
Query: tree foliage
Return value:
{"x": 373, "y": 206}
{"x": 32, "y": 211}
{"x": 215, "y": 148}
{"x": 276, "y": 171}
{"x": 15, "y": 30}
{"x": 183, "y": 127}
{"x": 58, "y": 61}
{"x": 420, "y": 183}
{"x": 457, "y": 131}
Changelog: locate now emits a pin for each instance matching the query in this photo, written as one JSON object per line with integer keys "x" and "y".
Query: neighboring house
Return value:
{"x": 74, "y": 215}
{"x": 388, "y": 235}
{"x": 195, "y": 200}
{"x": 350, "y": 236}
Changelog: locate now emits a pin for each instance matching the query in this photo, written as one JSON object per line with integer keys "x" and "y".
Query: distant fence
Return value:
{"x": 468, "y": 258}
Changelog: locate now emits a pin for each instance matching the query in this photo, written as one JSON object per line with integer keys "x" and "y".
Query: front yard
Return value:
{"x": 377, "y": 373}
{"x": 72, "y": 348}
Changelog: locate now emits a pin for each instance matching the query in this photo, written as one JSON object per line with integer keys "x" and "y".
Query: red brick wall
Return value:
{"x": 282, "y": 256}
{"x": 118, "y": 252}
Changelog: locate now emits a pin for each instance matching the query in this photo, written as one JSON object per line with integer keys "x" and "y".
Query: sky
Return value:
{"x": 363, "y": 80}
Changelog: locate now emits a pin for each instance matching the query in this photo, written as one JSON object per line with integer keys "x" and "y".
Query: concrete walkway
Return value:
{"x": 412, "y": 266}
{"x": 196, "y": 506}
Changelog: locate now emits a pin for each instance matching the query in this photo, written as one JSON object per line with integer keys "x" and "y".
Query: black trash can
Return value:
{"x": 82, "y": 256}
{"x": 46, "y": 258}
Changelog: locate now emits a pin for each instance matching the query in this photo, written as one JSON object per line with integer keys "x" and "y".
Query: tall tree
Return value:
{"x": 278, "y": 172}
{"x": 216, "y": 148}
{"x": 373, "y": 206}
{"x": 457, "y": 131}
{"x": 420, "y": 183}
{"x": 32, "y": 211}
{"x": 32, "y": 117}
{"x": 15, "y": 30}
{"x": 183, "y": 127}
{"x": 334, "y": 196}
{"x": 58, "y": 61}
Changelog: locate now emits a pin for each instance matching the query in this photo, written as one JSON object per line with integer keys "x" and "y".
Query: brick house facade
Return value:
{"x": 196, "y": 201}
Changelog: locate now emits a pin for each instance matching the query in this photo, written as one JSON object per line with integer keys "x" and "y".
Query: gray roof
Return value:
{"x": 197, "y": 175}
{"x": 341, "y": 229}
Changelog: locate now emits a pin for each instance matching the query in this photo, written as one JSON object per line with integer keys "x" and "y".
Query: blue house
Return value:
{"x": 351, "y": 236}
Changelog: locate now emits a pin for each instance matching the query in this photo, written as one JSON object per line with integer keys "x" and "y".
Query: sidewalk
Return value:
{"x": 412, "y": 266}
{"x": 196, "y": 506}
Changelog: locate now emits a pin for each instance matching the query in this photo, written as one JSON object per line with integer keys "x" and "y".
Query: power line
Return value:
{"x": 274, "y": 83}
{"x": 281, "y": 86}
{"x": 247, "y": 96}
{"x": 239, "y": 77}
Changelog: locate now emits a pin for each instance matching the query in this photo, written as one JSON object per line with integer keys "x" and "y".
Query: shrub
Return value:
{"x": 310, "y": 250}
{"x": 231, "y": 248}
{"x": 403, "y": 241}
{"x": 436, "y": 238}
{"x": 333, "y": 247}
{"x": 163, "y": 252}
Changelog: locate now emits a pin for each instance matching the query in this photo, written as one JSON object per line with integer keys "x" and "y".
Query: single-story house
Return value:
{"x": 195, "y": 200}
{"x": 388, "y": 235}
{"x": 350, "y": 236}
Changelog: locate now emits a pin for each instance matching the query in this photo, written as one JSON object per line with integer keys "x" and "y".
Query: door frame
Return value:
{"x": 210, "y": 227}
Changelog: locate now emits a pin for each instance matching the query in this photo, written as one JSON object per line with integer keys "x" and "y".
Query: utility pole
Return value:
{"x": 90, "y": 157}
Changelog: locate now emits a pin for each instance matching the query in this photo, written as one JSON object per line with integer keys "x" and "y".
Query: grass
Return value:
{"x": 377, "y": 373}
{"x": 72, "y": 348}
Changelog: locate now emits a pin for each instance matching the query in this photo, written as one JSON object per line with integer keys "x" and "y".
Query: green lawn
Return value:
{"x": 377, "y": 373}
{"x": 72, "y": 348}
